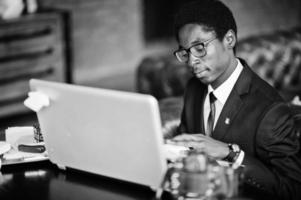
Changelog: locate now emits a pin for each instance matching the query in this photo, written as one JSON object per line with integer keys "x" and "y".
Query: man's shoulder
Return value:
{"x": 259, "y": 86}
{"x": 265, "y": 90}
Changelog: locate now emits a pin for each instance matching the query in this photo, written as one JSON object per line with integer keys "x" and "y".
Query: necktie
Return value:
{"x": 211, "y": 117}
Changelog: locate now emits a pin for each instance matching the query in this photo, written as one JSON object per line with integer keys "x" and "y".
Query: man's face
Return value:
{"x": 213, "y": 68}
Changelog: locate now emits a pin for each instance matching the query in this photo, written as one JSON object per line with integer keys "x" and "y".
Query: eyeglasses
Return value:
{"x": 197, "y": 50}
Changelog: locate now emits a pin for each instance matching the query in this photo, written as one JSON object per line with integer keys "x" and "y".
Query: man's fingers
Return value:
{"x": 187, "y": 138}
{"x": 196, "y": 145}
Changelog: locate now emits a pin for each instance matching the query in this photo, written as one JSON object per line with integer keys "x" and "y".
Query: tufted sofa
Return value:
{"x": 276, "y": 57}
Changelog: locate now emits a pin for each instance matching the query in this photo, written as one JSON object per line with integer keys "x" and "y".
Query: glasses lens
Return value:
{"x": 182, "y": 55}
{"x": 198, "y": 50}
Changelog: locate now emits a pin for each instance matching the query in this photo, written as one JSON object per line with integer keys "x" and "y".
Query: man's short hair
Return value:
{"x": 212, "y": 14}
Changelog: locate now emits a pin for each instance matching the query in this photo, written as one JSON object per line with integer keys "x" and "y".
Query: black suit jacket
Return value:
{"x": 257, "y": 119}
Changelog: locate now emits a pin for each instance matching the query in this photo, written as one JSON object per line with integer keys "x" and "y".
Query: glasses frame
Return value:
{"x": 188, "y": 50}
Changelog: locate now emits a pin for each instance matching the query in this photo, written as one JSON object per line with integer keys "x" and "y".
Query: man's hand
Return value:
{"x": 214, "y": 148}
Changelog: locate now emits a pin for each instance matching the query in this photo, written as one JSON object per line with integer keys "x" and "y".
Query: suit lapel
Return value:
{"x": 231, "y": 108}
{"x": 233, "y": 104}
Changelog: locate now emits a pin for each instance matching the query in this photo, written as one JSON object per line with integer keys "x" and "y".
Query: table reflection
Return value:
{"x": 44, "y": 181}
{"x": 48, "y": 182}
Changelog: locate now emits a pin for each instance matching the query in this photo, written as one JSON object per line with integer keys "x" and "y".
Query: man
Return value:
{"x": 228, "y": 110}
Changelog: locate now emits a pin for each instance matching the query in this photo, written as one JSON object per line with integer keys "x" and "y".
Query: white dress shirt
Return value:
{"x": 221, "y": 93}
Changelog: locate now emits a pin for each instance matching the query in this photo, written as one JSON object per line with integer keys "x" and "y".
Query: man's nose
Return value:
{"x": 192, "y": 60}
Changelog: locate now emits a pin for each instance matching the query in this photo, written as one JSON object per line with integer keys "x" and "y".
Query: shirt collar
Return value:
{"x": 223, "y": 91}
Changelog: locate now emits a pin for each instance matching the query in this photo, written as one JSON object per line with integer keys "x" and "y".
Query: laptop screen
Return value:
{"x": 107, "y": 132}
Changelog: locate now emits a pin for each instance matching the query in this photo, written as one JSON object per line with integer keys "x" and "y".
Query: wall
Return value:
{"x": 106, "y": 34}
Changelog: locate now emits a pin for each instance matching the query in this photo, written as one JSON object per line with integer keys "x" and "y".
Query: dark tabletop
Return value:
{"x": 43, "y": 181}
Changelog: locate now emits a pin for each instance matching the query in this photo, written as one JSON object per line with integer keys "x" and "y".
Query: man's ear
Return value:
{"x": 230, "y": 39}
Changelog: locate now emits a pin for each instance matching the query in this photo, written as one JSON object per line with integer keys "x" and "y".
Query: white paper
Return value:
{"x": 36, "y": 101}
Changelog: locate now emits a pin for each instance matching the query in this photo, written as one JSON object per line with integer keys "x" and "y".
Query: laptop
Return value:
{"x": 106, "y": 132}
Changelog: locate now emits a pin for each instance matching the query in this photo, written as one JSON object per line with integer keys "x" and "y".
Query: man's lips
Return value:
{"x": 199, "y": 73}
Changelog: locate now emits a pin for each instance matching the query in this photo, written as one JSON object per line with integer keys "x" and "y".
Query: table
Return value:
{"x": 44, "y": 181}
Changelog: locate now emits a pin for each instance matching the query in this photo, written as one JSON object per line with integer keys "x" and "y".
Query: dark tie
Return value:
{"x": 211, "y": 117}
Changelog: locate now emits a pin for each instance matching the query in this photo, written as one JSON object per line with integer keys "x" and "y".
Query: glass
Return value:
{"x": 197, "y": 177}
{"x": 197, "y": 50}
